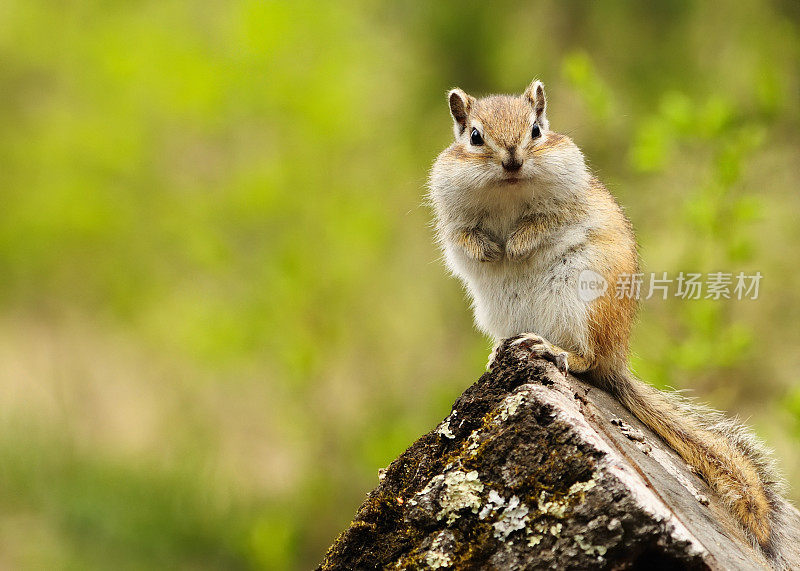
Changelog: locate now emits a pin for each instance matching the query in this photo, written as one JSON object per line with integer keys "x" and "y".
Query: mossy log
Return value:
{"x": 532, "y": 470}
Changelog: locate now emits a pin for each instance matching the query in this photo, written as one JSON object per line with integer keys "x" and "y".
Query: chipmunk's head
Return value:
{"x": 504, "y": 141}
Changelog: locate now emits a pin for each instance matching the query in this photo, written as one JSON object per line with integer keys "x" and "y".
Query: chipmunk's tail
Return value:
{"x": 724, "y": 453}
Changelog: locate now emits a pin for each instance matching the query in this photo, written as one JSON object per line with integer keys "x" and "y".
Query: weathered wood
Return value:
{"x": 532, "y": 470}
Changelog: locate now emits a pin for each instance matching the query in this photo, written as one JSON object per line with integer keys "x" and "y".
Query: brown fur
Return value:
{"x": 503, "y": 118}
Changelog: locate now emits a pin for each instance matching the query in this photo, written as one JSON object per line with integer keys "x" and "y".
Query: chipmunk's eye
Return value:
{"x": 536, "y": 132}
{"x": 475, "y": 138}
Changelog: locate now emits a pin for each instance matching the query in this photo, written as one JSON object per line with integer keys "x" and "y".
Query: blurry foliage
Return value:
{"x": 222, "y": 310}
{"x": 717, "y": 214}
{"x": 581, "y": 75}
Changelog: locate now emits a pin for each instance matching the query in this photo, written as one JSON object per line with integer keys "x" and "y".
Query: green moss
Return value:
{"x": 504, "y": 444}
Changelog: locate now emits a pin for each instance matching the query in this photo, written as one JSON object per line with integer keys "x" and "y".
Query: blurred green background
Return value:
{"x": 221, "y": 310}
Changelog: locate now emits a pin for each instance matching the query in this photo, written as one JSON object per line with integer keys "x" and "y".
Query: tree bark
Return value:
{"x": 532, "y": 470}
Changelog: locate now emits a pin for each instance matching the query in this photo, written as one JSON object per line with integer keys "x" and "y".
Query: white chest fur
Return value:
{"x": 539, "y": 294}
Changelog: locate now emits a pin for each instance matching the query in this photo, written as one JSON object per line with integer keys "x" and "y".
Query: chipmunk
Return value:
{"x": 519, "y": 216}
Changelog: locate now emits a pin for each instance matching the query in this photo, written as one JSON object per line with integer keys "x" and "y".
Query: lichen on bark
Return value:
{"x": 532, "y": 470}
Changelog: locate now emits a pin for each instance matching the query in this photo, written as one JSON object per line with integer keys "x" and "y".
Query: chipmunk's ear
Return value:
{"x": 460, "y": 105}
{"x": 534, "y": 94}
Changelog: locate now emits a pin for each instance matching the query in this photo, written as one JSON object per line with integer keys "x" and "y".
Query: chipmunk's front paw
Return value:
{"x": 491, "y": 251}
{"x": 518, "y": 247}
{"x": 480, "y": 246}
{"x": 523, "y": 241}
{"x": 539, "y": 347}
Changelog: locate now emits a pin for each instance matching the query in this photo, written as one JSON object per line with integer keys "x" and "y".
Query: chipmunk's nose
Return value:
{"x": 512, "y": 163}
